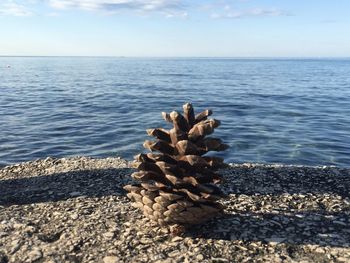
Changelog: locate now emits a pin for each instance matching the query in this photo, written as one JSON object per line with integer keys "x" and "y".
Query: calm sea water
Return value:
{"x": 272, "y": 111}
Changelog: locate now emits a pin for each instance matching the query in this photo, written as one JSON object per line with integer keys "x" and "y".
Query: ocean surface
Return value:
{"x": 290, "y": 111}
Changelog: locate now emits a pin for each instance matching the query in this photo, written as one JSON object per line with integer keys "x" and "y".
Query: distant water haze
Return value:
{"x": 291, "y": 111}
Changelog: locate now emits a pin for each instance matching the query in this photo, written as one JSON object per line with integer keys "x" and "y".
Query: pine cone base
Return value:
{"x": 170, "y": 208}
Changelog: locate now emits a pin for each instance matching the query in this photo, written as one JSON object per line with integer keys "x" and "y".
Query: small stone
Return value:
{"x": 177, "y": 239}
{"x": 18, "y": 225}
{"x": 111, "y": 259}
{"x": 35, "y": 254}
{"x": 196, "y": 249}
{"x": 319, "y": 250}
{"x": 145, "y": 241}
{"x": 108, "y": 235}
{"x": 343, "y": 259}
{"x": 15, "y": 246}
{"x": 174, "y": 253}
{"x": 275, "y": 240}
{"x": 217, "y": 260}
{"x": 164, "y": 230}
{"x": 200, "y": 257}
{"x": 74, "y": 216}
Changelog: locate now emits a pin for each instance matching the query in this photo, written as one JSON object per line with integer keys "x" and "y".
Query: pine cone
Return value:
{"x": 179, "y": 185}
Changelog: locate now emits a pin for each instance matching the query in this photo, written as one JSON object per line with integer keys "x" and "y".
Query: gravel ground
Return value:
{"x": 75, "y": 210}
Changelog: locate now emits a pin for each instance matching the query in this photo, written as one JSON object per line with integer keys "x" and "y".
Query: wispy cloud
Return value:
{"x": 11, "y": 8}
{"x": 169, "y": 8}
{"x": 255, "y": 12}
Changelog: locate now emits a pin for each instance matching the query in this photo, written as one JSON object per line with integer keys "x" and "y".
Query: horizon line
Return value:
{"x": 182, "y": 57}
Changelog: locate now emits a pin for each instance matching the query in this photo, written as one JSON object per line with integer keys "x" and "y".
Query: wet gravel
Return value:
{"x": 75, "y": 210}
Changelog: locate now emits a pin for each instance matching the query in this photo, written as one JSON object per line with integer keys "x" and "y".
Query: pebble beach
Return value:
{"x": 75, "y": 210}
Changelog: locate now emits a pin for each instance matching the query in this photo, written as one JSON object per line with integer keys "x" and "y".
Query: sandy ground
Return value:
{"x": 75, "y": 210}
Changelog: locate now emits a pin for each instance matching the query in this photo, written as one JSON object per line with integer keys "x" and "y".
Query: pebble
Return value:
{"x": 15, "y": 245}
{"x": 145, "y": 241}
{"x": 276, "y": 214}
{"x": 219, "y": 260}
{"x": 74, "y": 216}
{"x": 35, "y": 254}
{"x": 196, "y": 249}
{"x": 177, "y": 239}
{"x": 111, "y": 259}
{"x": 343, "y": 259}
{"x": 174, "y": 253}
{"x": 274, "y": 241}
{"x": 319, "y": 250}
{"x": 109, "y": 235}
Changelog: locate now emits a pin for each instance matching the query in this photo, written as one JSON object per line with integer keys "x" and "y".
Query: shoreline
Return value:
{"x": 74, "y": 210}
{"x": 75, "y": 157}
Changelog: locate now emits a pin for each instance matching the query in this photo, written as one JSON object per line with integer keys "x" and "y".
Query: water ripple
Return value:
{"x": 279, "y": 111}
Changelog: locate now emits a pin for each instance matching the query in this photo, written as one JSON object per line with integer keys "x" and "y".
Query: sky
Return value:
{"x": 175, "y": 28}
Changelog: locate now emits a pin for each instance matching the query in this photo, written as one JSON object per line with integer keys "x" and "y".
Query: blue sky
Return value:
{"x": 207, "y": 28}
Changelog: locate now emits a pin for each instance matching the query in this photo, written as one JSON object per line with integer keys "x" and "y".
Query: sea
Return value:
{"x": 286, "y": 111}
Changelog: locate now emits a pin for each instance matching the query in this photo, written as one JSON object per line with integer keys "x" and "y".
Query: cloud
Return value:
{"x": 169, "y": 8}
{"x": 181, "y": 14}
{"x": 11, "y": 8}
{"x": 257, "y": 12}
